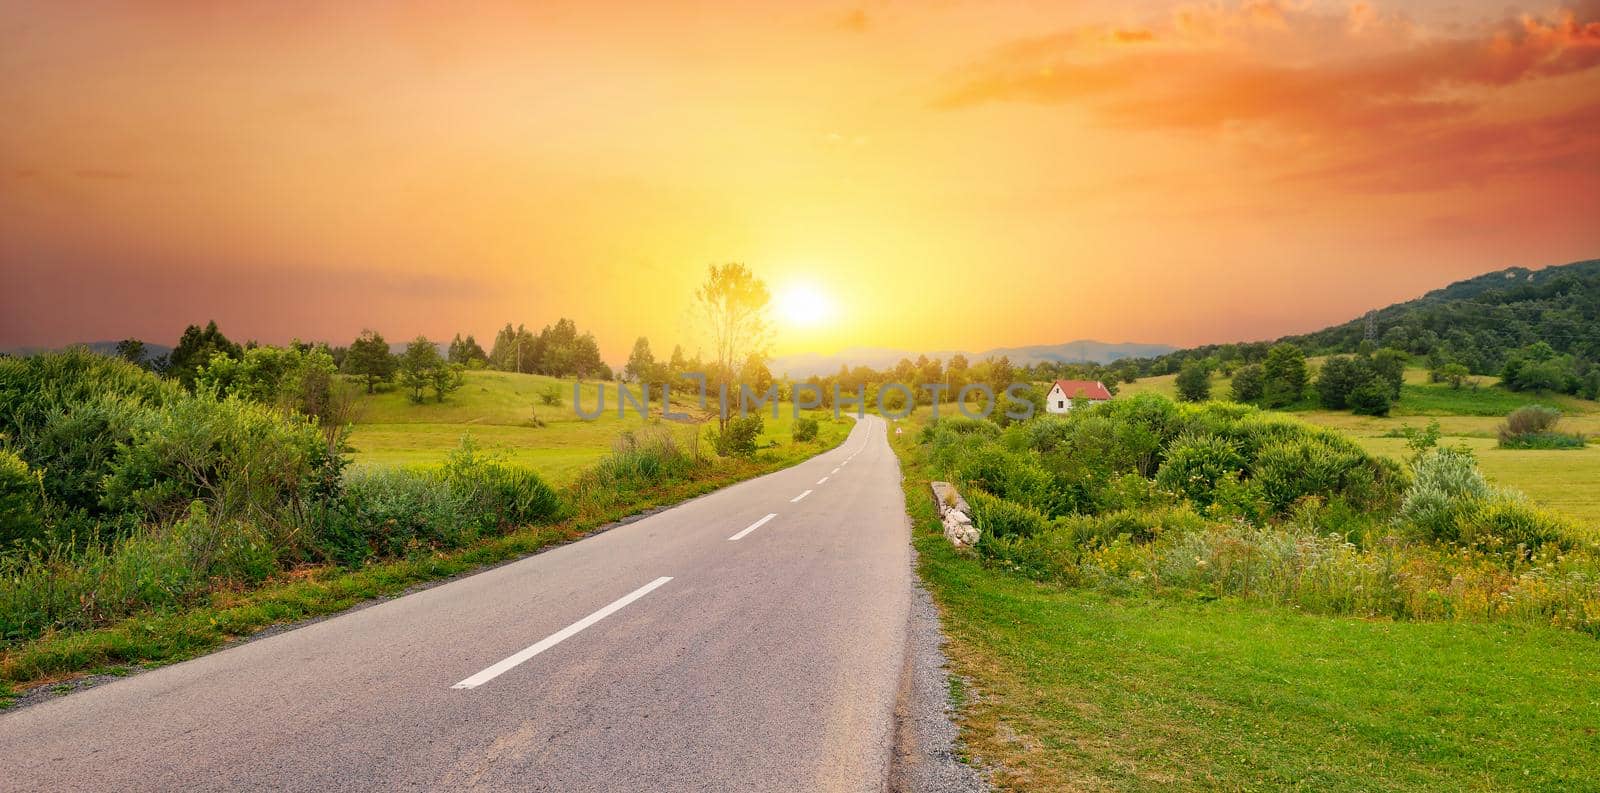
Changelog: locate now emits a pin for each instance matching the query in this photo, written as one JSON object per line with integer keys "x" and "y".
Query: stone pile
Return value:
{"x": 956, "y": 515}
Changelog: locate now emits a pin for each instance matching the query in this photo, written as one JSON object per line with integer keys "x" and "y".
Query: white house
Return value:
{"x": 1064, "y": 391}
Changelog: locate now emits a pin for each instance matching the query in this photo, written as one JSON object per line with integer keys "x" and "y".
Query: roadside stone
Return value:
{"x": 954, "y": 514}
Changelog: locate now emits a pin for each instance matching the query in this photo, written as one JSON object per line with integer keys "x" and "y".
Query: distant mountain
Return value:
{"x": 1081, "y": 351}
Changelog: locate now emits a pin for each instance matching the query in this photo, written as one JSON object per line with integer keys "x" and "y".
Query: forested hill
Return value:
{"x": 1479, "y": 322}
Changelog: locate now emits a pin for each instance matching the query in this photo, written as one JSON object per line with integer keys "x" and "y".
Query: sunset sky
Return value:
{"x": 943, "y": 175}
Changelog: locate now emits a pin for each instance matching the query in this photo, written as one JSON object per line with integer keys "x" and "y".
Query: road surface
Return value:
{"x": 750, "y": 639}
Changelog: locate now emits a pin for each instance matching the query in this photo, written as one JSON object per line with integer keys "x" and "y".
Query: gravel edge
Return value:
{"x": 925, "y": 734}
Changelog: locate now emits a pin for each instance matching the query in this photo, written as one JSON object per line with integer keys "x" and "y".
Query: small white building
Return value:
{"x": 1065, "y": 391}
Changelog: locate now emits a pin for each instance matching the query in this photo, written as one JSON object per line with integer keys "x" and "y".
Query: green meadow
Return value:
{"x": 505, "y": 415}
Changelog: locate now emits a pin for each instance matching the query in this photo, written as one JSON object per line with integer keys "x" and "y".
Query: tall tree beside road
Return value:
{"x": 732, "y": 305}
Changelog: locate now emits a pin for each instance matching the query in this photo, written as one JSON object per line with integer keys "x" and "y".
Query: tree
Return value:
{"x": 1248, "y": 382}
{"x": 1194, "y": 381}
{"x": 195, "y": 349}
{"x": 1339, "y": 376}
{"x": 1390, "y": 366}
{"x": 132, "y": 351}
{"x": 1283, "y": 376}
{"x": 298, "y": 377}
{"x": 1453, "y": 373}
{"x": 417, "y": 366}
{"x": 518, "y": 350}
{"x": 732, "y": 305}
{"x": 1371, "y": 397}
{"x": 445, "y": 378}
{"x": 755, "y": 374}
{"x": 1542, "y": 377}
{"x": 641, "y": 366}
{"x": 369, "y": 359}
{"x": 467, "y": 352}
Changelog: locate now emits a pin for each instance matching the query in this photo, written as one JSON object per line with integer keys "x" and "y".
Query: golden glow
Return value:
{"x": 978, "y": 174}
{"x": 802, "y": 305}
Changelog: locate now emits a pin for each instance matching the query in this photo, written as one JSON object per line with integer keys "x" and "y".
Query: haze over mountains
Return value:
{"x": 1080, "y": 351}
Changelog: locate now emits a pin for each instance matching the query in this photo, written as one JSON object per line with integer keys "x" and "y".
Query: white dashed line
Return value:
{"x": 823, "y": 479}
{"x": 752, "y": 527}
{"x": 561, "y": 635}
{"x": 834, "y": 471}
{"x": 802, "y": 495}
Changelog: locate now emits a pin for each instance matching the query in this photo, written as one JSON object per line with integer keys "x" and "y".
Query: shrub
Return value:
{"x": 402, "y": 511}
{"x": 1195, "y": 464}
{"x": 738, "y": 438}
{"x": 645, "y": 457}
{"x": 1530, "y": 419}
{"x": 1446, "y": 482}
{"x": 242, "y": 459}
{"x": 996, "y": 517}
{"x": 1194, "y": 381}
{"x": 500, "y": 496}
{"x": 1290, "y": 470}
{"x": 805, "y": 429}
{"x": 1533, "y": 427}
{"x": 20, "y": 489}
{"x": 959, "y": 425}
{"x": 61, "y": 588}
{"x": 1128, "y": 525}
{"x": 1507, "y": 524}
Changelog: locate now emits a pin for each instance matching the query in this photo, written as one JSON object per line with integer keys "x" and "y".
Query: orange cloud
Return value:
{"x": 1212, "y": 71}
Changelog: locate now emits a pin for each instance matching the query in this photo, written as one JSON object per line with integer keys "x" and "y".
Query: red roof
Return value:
{"x": 1083, "y": 389}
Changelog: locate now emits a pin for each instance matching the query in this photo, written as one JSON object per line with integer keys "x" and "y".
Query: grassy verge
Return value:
{"x": 1073, "y": 689}
{"x": 157, "y": 638}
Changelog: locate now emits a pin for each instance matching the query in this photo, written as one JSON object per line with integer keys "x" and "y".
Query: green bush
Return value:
{"x": 643, "y": 458}
{"x": 500, "y": 496}
{"x": 243, "y": 459}
{"x": 996, "y": 517}
{"x": 1195, "y": 464}
{"x": 1506, "y": 524}
{"x": 1445, "y": 484}
{"x": 1128, "y": 525}
{"x": 805, "y": 429}
{"x": 402, "y": 511}
{"x": 738, "y": 438}
{"x": 959, "y": 425}
{"x": 20, "y": 489}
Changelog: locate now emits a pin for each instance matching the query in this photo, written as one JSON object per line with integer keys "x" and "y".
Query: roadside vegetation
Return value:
{"x": 141, "y": 523}
{"x": 1210, "y": 596}
{"x": 1145, "y": 495}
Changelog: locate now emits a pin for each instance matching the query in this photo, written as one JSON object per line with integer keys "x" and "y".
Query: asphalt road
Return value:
{"x": 770, "y": 662}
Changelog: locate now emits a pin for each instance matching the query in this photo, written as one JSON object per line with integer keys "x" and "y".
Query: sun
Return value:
{"x": 803, "y": 305}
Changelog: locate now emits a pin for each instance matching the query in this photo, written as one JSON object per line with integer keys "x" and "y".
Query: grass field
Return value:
{"x": 1062, "y": 689}
{"x": 1418, "y": 397}
{"x": 498, "y": 410}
